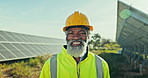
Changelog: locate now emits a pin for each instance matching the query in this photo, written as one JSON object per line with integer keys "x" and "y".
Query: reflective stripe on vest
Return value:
{"x": 99, "y": 67}
{"x": 53, "y": 66}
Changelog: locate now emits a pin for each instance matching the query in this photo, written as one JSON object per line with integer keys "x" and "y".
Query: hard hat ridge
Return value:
{"x": 77, "y": 19}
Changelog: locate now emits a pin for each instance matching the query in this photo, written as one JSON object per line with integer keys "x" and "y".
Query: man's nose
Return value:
{"x": 76, "y": 36}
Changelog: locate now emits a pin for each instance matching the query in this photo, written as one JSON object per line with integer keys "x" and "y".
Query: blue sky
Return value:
{"x": 47, "y": 17}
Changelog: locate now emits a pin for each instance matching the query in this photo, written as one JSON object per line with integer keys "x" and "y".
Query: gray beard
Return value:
{"x": 77, "y": 51}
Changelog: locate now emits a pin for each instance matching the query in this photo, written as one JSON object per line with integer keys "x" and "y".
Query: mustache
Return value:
{"x": 81, "y": 41}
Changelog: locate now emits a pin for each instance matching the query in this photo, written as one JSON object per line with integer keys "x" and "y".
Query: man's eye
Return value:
{"x": 82, "y": 33}
{"x": 70, "y": 33}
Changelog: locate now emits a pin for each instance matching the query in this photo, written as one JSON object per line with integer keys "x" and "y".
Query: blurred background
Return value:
{"x": 31, "y": 32}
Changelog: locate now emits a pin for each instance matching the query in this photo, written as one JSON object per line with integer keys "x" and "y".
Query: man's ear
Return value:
{"x": 66, "y": 38}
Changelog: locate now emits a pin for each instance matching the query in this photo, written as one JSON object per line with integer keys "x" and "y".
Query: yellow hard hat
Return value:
{"x": 79, "y": 20}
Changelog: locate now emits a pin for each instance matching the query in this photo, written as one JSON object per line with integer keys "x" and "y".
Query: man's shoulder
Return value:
{"x": 97, "y": 56}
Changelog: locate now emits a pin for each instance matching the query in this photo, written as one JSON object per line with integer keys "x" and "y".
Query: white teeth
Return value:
{"x": 76, "y": 42}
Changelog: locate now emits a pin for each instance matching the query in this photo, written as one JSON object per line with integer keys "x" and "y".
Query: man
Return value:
{"x": 75, "y": 61}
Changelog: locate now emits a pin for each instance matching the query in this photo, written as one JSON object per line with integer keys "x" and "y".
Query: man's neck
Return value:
{"x": 77, "y": 59}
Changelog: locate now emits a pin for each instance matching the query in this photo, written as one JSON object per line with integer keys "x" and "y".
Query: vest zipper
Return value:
{"x": 78, "y": 70}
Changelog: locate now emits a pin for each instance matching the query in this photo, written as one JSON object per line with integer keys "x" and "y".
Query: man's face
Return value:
{"x": 77, "y": 34}
{"x": 77, "y": 41}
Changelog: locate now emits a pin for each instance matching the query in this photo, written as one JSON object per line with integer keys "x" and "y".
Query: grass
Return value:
{"x": 98, "y": 52}
{"x": 23, "y": 69}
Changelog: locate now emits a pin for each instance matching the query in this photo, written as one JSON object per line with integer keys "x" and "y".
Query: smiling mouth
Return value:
{"x": 76, "y": 43}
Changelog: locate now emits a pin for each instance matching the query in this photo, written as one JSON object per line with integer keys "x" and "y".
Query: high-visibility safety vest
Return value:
{"x": 63, "y": 65}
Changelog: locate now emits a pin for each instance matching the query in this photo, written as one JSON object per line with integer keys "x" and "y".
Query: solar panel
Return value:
{"x": 1, "y": 38}
{"x": 1, "y": 57}
{"x": 19, "y": 46}
{"x": 132, "y": 29}
{"x": 131, "y": 25}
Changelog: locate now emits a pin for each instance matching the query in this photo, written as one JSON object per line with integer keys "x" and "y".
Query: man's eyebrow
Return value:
{"x": 83, "y": 30}
{"x": 69, "y": 31}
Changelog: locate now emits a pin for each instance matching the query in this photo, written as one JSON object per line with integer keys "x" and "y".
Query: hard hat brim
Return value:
{"x": 90, "y": 28}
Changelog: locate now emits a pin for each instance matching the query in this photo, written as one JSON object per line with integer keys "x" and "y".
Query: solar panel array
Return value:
{"x": 132, "y": 30}
{"x": 19, "y": 46}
